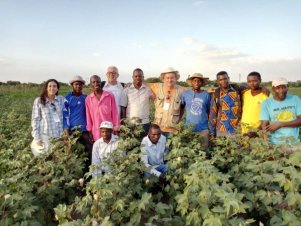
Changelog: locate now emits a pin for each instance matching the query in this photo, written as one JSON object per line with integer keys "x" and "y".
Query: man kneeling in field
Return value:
{"x": 104, "y": 146}
{"x": 153, "y": 147}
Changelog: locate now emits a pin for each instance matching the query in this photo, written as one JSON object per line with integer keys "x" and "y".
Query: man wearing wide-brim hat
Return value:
{"x": 168, "y": 100}
{"x": 75, "y": 114}
{"x": 197, "y": 104}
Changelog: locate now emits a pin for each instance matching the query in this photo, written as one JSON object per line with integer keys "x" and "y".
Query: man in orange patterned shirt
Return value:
{"x": 225, "y": 107}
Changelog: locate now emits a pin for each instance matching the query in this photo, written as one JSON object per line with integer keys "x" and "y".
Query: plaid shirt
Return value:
{"x": 225, "y": 115}
{"x": 47, "y": 119}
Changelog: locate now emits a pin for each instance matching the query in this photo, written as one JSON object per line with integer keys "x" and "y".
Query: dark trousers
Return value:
{"x": 85, "y": 140}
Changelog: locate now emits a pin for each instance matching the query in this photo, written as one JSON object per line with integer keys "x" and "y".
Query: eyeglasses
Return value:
{"x": 112, "y": 73}
{"x": 53, "y": 106}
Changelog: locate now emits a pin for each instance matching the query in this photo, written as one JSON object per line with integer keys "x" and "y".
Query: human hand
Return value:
{"x": 273, "y": 126}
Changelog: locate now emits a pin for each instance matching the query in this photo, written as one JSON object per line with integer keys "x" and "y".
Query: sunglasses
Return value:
{"x": 168, "y": 95}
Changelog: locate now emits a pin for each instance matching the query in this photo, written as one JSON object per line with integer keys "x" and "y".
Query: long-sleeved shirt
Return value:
{"x": 153, "y": 154}
{"x": 48, "y": 119}
{"x": 225, "y": 115}
{"x": 101, "y": 151}
{"x": 75, "y": 112}
{"x": 100, "y": 110}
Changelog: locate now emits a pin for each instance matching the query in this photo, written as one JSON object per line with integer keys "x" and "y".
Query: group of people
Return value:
{"x": 221, "y": 113}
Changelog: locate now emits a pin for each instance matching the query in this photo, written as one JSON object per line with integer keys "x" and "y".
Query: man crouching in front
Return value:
{"x": 153, "y": 147}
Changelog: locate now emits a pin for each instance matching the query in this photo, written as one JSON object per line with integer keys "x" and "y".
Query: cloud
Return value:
{"x": 96, "y": 54}
{"x": 5, "y": 61}
{"x": 198, "y": 2}
{"x": 137, "y": 45}
{"x": 159, "y": 45}
{"x": 197, "y": 48}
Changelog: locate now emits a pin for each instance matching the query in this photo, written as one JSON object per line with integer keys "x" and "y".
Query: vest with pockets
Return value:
{"x": 167, "y": 118}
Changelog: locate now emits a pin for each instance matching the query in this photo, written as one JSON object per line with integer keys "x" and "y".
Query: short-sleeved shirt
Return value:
{"x": 225, "y": 115}
{"x": 100, "y": 110}
{"x": 197, "y": 109}
{"x": 251, "y": 110}
{"x": 116, "y": 90}
{"x": 282, "y": 111}
{"x": 75, "y": 112}
{"x": 137, "y": 102}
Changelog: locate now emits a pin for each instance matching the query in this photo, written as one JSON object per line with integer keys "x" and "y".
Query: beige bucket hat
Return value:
{"x": 196, "y": 75}
{"x": 77, "y": 78}
{"x": 170, "y": 70}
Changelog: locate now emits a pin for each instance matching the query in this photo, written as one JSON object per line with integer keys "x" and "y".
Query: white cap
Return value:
{"x": 279, "y": 82}
{"x": 106, "y": 124}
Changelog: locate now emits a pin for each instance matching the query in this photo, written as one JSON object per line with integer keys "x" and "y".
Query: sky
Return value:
{"x": 58, "y": 39}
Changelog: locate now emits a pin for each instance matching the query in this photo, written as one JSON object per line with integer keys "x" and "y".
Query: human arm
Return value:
{"x": 123, "y": 103}
{"x": 66, "y": 117}
{"x": 114, "y": 114}
{"x": 36, "y": 118}
{"x": 183, "y": 104}
{"x": 144, "y": 159}
{"x": 278, "y": 125}
{"x": 96, "y": 160}
{"x": 213, "y": 118}
{"x": 89, "y": 119}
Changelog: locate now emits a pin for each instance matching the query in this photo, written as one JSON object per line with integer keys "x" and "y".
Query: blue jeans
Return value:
{"x": 163, "y": 168}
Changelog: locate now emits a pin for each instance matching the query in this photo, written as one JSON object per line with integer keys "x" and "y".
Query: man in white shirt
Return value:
{"x": 113, "y": 86}
{"x": 104, "y": 146}
{"x": 135, "y": 101}
{"x": 153, "y": 148}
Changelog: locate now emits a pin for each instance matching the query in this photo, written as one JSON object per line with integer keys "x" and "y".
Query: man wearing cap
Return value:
{"x": 100, "y": 107}
{"x": 197, "y": 103}
{"x": 167, "y": 101}
{"x": 135, "y": 101}
{"x": 103, "y": 147}
{"x": 75, "y": 113}
{"x": 281, "y": 116}
{"x": 113, "y": 86}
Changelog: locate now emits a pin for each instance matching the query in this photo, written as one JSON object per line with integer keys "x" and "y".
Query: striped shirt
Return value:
{"x": 75, "y": 112}
{"x": 47, "y": 119}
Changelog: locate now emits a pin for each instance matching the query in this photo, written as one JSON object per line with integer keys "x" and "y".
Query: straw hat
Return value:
{"x": 196, "y": 75}
{"x": 169, "y": 70}
{"x": 77, "y": 78}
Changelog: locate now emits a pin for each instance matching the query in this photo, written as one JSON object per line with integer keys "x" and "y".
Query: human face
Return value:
{"x": 95, "y": 83}
{"x": 223, "y": 81}
{"x": 154, "y": 135}
{"x": 52, "y": 89}
{"x": 138, "y": 78}
{"x": 106, "y": 134}
{"x": 280, "y": 92}
{"x": 170, "y": 80}
{"x": 253, "y": 82}
{"x": 77, "y": 87}
{"x": 196, "y": 83}
{"x": 112, "y": 75}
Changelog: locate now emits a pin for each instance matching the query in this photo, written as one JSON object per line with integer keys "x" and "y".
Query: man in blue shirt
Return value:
{"x": 281, "y": 115}
{"x": 197, "y": 103}
{"x": 75, "y": 114}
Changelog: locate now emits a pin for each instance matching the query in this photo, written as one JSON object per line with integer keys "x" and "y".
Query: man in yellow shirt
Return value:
{"x": 252, "y": 100}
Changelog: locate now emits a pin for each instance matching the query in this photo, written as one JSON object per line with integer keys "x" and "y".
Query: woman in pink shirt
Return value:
{"x": 100, "y": 106}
